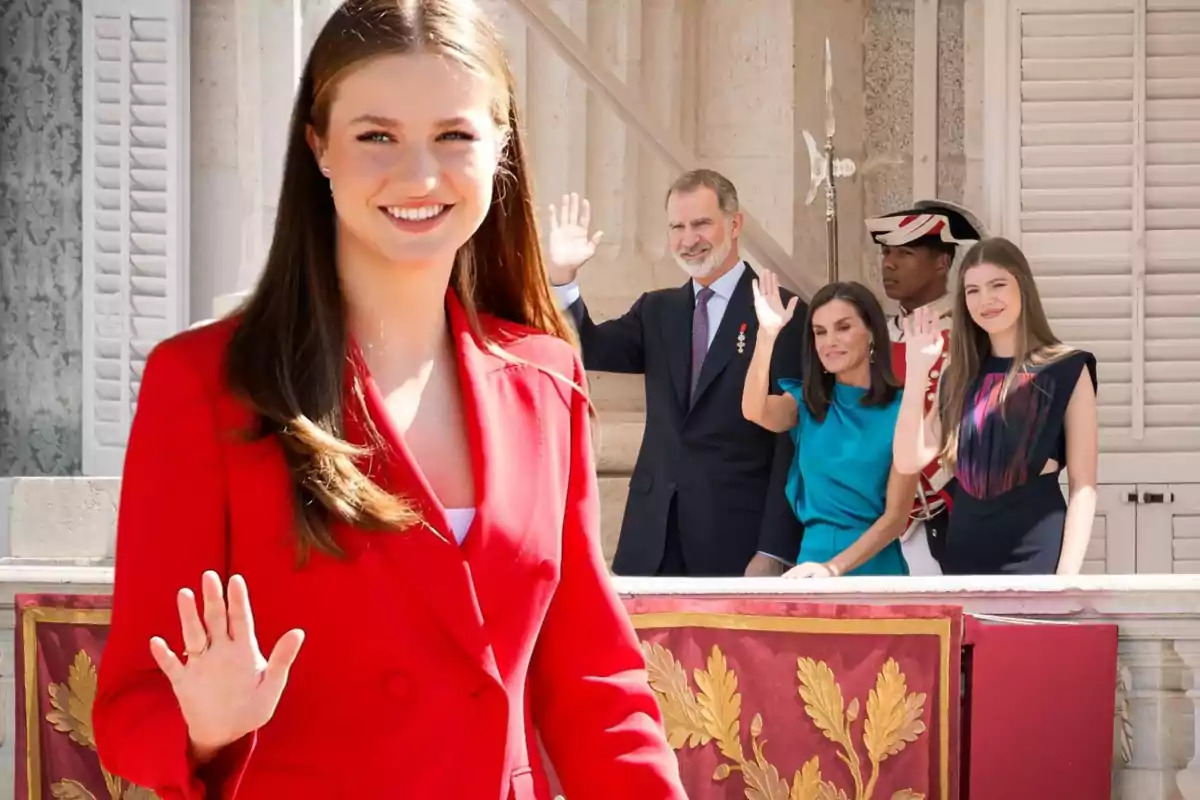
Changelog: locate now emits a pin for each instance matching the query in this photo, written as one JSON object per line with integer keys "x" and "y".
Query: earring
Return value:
{"x": 871, "y": 354}
{"x": 325, "y": 172}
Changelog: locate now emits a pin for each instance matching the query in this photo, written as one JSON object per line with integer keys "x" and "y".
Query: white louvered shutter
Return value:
{"x": 1103, "y": 200}
{"x": 1173, "y": 225}
{"x": 135, "y": 92}
{"x": 1075, "y": 186}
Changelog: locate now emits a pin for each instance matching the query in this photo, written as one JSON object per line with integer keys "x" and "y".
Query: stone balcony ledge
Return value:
{"x": 1162, "y": 606}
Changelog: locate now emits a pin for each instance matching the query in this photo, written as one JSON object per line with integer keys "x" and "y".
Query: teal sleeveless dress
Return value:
{"x": 837, "y": 484}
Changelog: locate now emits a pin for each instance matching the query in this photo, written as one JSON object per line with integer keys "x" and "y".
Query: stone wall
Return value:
{"x": 41, "y": 237}
{"x": 888, "y": 96}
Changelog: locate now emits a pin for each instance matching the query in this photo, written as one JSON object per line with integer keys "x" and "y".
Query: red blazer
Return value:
{"x": 426, "y": 667}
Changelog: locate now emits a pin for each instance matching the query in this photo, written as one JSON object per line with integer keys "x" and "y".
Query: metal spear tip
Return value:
{"x": 830, "y": 125}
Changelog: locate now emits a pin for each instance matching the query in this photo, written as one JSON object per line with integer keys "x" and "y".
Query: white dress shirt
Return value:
{"x": 722, "y": 289}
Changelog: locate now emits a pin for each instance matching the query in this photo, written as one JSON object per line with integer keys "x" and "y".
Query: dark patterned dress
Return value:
{"x": 1007, "y": 517}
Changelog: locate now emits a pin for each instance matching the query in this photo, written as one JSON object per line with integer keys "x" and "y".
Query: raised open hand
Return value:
{"x": 768, "y": 305}
{"x": 225, "y": 688}
{"x": 570, "y": 247}
{"x": 923, "y": 344}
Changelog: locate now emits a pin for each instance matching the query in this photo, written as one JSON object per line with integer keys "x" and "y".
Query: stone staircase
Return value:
{"x": 620, "y": 406}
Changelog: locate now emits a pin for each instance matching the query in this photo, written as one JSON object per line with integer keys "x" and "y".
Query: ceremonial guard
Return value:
{"x": 919, "y": 249}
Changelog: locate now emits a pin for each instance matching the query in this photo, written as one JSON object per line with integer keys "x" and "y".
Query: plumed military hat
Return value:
{"x": 928, "y": 222}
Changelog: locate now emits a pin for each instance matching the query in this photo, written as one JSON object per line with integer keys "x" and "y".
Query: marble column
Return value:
{"x": 216, "y": 210}
{"x": 746, "y": 124}
{"x": 1188, "y": 779}
{"x": 273, "y": 38}
{"x": 1150, "y": 708}
{"x": 668, "y": 80}
{"x": 556, "y": 112}
{"x": 972, "y": 89}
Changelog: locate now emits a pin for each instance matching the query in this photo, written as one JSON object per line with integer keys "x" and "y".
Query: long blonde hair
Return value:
{"x": 969, "y": 344}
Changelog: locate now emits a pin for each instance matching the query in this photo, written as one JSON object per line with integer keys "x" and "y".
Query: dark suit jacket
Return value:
{"x": 727, "y": 473}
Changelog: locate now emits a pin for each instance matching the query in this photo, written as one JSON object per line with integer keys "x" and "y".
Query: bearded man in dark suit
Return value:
{"x": 707, "y": 493}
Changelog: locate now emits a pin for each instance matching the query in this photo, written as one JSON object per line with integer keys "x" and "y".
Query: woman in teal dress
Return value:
{"x": 842, "y": 416}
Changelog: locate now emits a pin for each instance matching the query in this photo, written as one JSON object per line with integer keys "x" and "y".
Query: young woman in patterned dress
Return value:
{"x": 1015, "y": 408}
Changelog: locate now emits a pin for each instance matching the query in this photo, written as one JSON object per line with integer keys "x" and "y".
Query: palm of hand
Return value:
{"x": 570, "y": 245}
{"x": 235, "y": 676}
{"x": 928, "y": 346}
{"x": 768, "y": 304}
{"x": 225, "y": 687}
{"x": 771, "y": 313}
{"x": 923, "y": 339}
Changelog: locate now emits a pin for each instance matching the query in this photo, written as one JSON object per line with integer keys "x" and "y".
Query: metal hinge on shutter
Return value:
{"x": 1150, "y": 498}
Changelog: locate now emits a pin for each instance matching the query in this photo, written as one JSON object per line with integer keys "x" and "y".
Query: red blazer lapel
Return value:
{"x": 502, "y": 396}
{"x": 501, "y": 399}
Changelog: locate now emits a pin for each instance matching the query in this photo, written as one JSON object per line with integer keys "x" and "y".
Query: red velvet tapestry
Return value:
{"x": 59, "y": 638}
{"x": 782, "y": 700}
{"x": 763, "y": 699}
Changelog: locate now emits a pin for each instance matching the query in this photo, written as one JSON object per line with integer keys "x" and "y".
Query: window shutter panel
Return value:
{"x": 1076, "y": 218}
{"x": 134, "y": 207}
{"x": 1105, "y": 200}
{"x": 1173, "y": 224}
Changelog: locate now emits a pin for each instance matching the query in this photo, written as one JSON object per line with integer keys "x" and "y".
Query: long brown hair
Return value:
{"x": 970, "y": 344}
{"x": 288, "y": 356}
{"x": 818, "y": 384}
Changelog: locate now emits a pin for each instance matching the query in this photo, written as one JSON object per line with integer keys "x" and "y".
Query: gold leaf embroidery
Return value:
{"x": 763, "y": 782}
{"x": 721, "y": 705}
{"x": 72, "y": 702}
{"x": 893, "y": 715}
{"x": 807, "y": 783}
{"x": 113, "y": 783}
{"x": 71, "y": 713}
{"x": 894, "y": 719}
{"x": 70, "y": 790}
{"x": 681, "y": 712}
{"x": 824, "y": 705}
{"x": 822, "y": 698}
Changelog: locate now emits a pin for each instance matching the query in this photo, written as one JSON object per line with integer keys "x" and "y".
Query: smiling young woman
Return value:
{"x": 1014, "y": 408}
{"x": 390, "y": 444}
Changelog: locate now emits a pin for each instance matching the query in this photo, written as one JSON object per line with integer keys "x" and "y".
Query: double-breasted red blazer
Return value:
{"x": 426, "y": 667}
